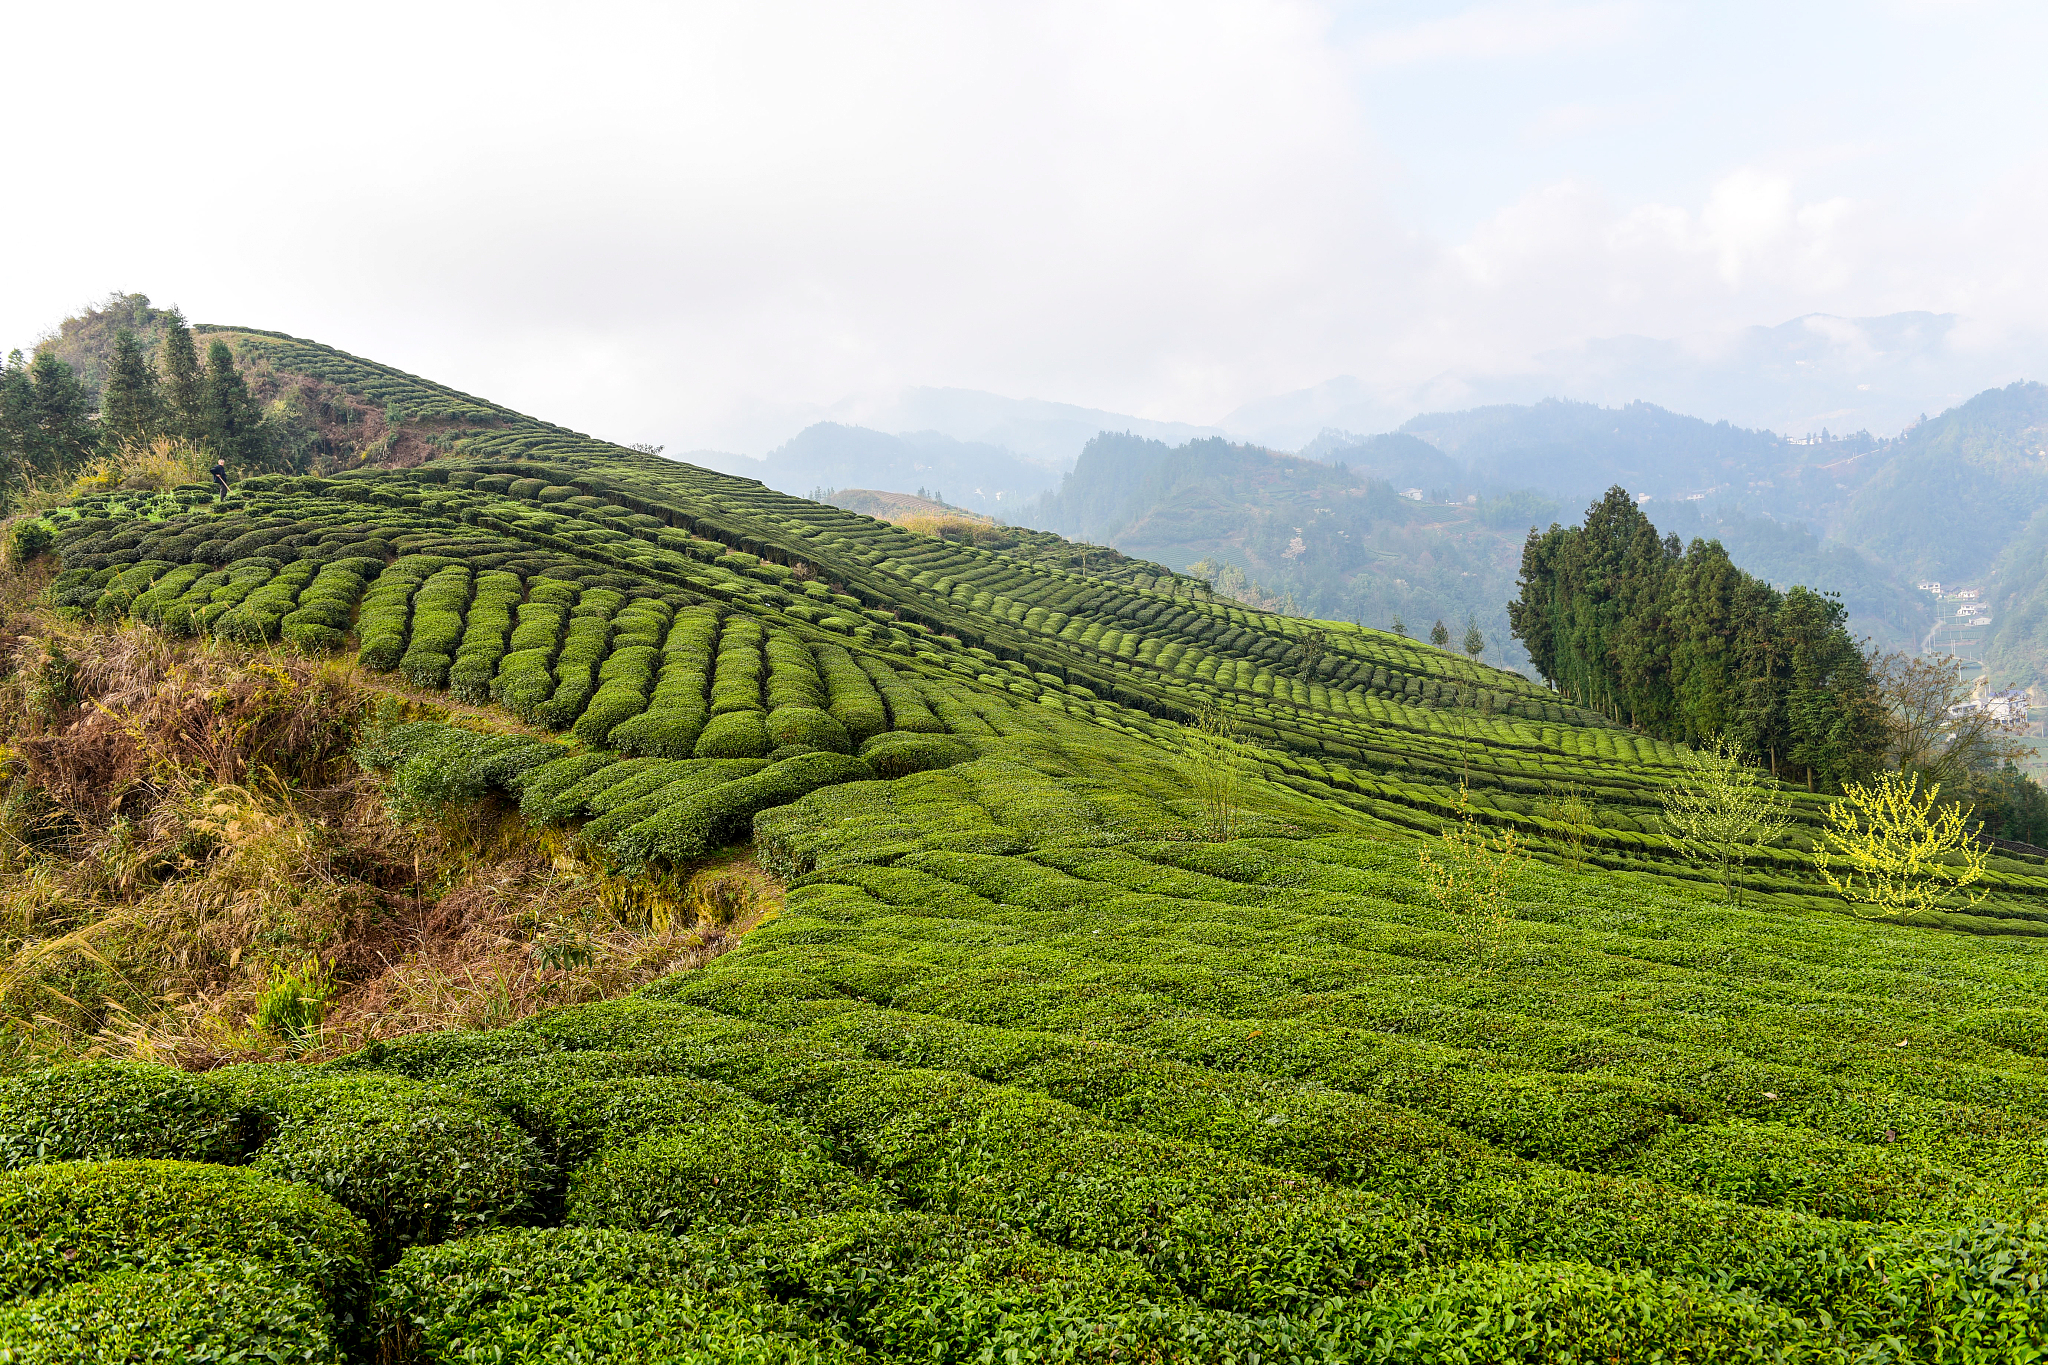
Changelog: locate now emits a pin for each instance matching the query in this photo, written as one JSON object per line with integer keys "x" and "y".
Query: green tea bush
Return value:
{"x": 124, "y": 587}
{"x": 543, "y": 1295}
{"x": 95, "y": 1111}
{"x": 683, "y": 781}
{"x": 677, "y": 1176}
{"x": 907, "y": 710}
{"x": 852, "y": 698}
{"x": 149, "y": 606}
{"x": 72, "y": 1221}
{"x": 808, "y": 727}
{"x": 485, "y": 629}
{"x": 793, "y": 678}
{"x": 898, "y": 755}
{"x": 690, "y": 828}
{"x": 224, "y": 1310}
{"x": 436, "y": 633}
{"x": 415, "y": 1162}
{"x": 385, "y": 614}
{"x": 588, "y": 641}
{"x": 736, "y": 679}
{"x": 524, "y": 682}
{"x": 176, "y": 617}
{"x": 540, "y": 801}
{"x": 327, "y": 604}
{"x": 624, "y": 681}
{"x": 257, "y": 618}
{"x": 735, "y": 734}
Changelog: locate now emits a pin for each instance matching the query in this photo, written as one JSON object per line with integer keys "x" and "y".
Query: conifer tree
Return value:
{"x": 1440, "y": 634}
{"x": 1475, "y": 643}
{"x": 184, "y": 382}
{"x": 234, "y": 426}
{"x": 131, "y": 409}
{"x": 45, "y": 420}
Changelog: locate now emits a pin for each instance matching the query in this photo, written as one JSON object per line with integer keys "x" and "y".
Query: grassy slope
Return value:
{"x": 1030, "y": 1059}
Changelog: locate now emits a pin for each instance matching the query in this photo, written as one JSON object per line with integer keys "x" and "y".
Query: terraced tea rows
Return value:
{"x": 1032, "y": 1064}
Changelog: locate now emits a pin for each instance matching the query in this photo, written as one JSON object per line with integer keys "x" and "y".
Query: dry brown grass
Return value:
{"x": 183, "y": 836}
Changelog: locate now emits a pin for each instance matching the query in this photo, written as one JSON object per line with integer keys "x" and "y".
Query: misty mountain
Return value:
{"x": 1330, "y": 540}
{"x": 1847, "y": 374}
{"x": 1032, "y": 429}
{"x": 1568, "y": 450}
{"x": 973, "y": 474}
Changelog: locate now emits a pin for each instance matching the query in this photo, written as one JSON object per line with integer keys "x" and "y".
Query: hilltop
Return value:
{"x": 1149, "y": 976}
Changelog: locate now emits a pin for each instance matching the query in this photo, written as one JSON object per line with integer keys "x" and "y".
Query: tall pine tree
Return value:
{"x": 131, "y": 409}
{"x": 184, "y": 382}
{"x": 234, "y": 427}
{"x": 46, "y": 427}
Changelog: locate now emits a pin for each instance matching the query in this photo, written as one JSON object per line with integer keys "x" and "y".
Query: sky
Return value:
{"x": 704, "y": 225}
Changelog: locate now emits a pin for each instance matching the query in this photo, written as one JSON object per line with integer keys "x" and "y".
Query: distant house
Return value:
{"x": 1412, "y": 494}
{"x": 1970, "y": 594}
{"x": 1934, "y": 588}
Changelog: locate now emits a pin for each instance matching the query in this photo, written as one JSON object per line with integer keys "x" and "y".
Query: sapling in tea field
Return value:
{"x": 1471, "y": 877}
{"x": 1719, "y": 807}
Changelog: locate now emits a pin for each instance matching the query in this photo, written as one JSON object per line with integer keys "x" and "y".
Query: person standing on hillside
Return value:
{"x": 220, "y": 476}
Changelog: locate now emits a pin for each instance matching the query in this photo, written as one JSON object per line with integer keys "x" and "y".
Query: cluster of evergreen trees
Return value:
{"x": 47, "y": 424}
{"x": 1679, "y": 643}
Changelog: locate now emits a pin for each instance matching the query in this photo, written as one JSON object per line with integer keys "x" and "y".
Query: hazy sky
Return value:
{"x": 702, "y": 224}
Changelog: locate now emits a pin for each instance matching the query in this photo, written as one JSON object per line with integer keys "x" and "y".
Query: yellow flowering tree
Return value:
{"x": 1895, "y": 850}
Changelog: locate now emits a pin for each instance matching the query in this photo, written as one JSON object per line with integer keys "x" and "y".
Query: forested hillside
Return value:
{"x": 1317, "y": 539}
{"x": 1148, "y": 977}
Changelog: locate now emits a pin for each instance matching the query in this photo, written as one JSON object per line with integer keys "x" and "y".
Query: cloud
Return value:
{"x": 707, "y": 224}
{"x": 1515, "y": 31}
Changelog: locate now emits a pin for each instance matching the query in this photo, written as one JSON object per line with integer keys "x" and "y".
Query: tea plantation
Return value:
{"x": 1038, "y": 1062}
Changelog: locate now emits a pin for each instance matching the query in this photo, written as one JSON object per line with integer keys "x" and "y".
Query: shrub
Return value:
{"x": 585, "y": 1294}
{"x": 417, "y": 1163}
{"x": 100, "y": 1110}
{"x": 74, "y": 1220}
{"x": 149, "y": 606}
{"x": 724, "y": 1168}
{"x": 623, "y": 683}
{"x": 386, "y": 612}
{"x": 484, "y": 631}
{"x": 540, "y": 801}
{"x": 736, "y": 679}
{"x": 808, "y": 727}
{"x": 258, "y": 617}
{"x": 524, "y": 683}
{"x": 327, "y": 604}
{"x": 177, "y": 613}
{"x": 678, "y": 782}
{"x": 907, "y": 710}
{"x": 853, "y": 700}
{"x": 229, "y": 1310}
{"x": 436, "y": 627}
{"x": 899, "y": 755}
{"x": 792, "y": 673}
{"x": 736, "y": 734}
{"x": 691, "y": 828}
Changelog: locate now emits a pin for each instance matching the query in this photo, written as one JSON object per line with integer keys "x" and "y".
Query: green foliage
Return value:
{"x": 74, "y": 1221}
{"x": 589, "y": 1294}
{"x": 415, "y": 1163}
{"x": 223, "y": 1310}
{"x": 1680, "y": 643}
{"x": 102, "y": 1110}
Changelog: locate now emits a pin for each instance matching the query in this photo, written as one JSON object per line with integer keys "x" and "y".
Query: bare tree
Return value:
{"x": 1937, "y": 727}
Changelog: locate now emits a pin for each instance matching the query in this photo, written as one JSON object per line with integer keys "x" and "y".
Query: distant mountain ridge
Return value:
{"x": 1847, "y": 374}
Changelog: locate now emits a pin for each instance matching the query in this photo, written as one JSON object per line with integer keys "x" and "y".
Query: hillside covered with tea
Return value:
{"x": 1113, "y": 1008}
